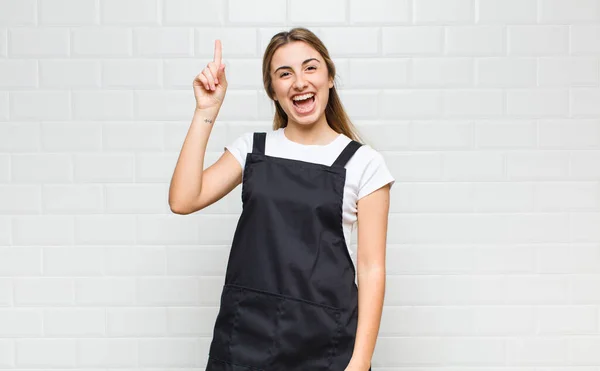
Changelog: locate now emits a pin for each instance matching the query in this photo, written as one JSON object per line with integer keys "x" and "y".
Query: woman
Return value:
{"x": 290, "y": 299}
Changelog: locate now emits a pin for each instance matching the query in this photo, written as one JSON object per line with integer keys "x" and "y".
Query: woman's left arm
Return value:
{"x": 372, "y": 222}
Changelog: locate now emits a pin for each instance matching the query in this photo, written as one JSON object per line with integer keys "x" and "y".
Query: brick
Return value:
{"x": 412, "y": 40}
{"x": 535, "y": 351}
{"x": 474, "y": 40}
{"x": 101, "y": 41}
{"x": 69, "y": 199}
{"x": 104, "y": 229}
{"x": 43, "y": 291}
{"x": 472, "y": 103}
{"x": 360, "y": 104}
{"x": 538, "y": 40}
{"x": 169, "y": 104}
{"x": 107, "y": 352}
{"x": 40, "y": 105}
{"x": 235, "y": 42}
{"x": 191, "y": 12}
{"x": 38, "y": 42}
{"x": 53, "y": 353}
{"x": 20, "y": 199}
{"x": 143, "y": 136}
{"x": 20, "y": 137}
{"x": 162, "y": 352}
{"x": 103, "y": 168}
{"x": 558, "y": 11}
{"x": 22, "y": 322}
{"x": 138, "y": 199}
{"x": 414, "y": 103}
{"x": 342, "y": 41}
{"x": 130, "y": 261}
{"x": 77, "y": 322}
{"x": 506, "y": 72}
{"x": 436, "y": 135}
{"x": 377, "y": 73}
{"x": 569, "y": 134}
{"x": 585, "y": 40}
{"x": 537, "y": 165}
{"x": 129, "y": 12}
{"x": 67, "y": 12}
{"x": 443, "y": 11}
{"x": 330, "y": 12}
{"x": 505, "y": 133}
{"x": 439, "y": 72}
{"x": 568, "y": 71}
{"x": 537, "y": 102}
{"x": 380, "y": 11}
{"x": 584, "y": 102}
{"x": 105, "y": 291}
{"x": 71, "y": 136}
{"x": 271, "y": 11}
{"x": 127, "y": 322}
{"x": 18, "y": 12}
{"x": 172, "y": 41}
{"x": 18, "y": 74}
{"x": 65, "y": 74}
{"x": 102, "y": 105}
{"x": 49, "y": 168}
{"x": 506, "y": 11}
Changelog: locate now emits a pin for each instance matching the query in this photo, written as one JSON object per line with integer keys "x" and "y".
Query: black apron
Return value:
{"x": 289, "y": 302}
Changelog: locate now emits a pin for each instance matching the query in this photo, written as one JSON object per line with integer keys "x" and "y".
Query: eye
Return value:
{"x": 313, "y": 67}
{"x": 283, "y": 74}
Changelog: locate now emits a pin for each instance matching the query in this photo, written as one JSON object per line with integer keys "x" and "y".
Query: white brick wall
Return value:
{"x": 487, "y": 112}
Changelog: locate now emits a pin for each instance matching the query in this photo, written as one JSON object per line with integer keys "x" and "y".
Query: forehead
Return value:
{"x": 293, "y": 53}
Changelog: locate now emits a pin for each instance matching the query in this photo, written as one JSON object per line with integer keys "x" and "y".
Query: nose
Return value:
{"x": 300, "y": 82}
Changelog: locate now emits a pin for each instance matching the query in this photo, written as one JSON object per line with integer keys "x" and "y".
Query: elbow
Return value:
{"x": 184, "y": 207}
{"x": 179, "y": 207}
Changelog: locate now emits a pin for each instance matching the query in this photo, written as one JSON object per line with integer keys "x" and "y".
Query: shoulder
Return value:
{"x": 364, "y": 155}
{"x": 371, "y": 169}
{"x": 240, "y": 146}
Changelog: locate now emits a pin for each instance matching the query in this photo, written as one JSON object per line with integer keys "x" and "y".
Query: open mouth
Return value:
{"x": 304, "y": 103}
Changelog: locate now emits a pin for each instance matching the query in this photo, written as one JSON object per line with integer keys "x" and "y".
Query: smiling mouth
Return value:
{"x": 304, "y": 105}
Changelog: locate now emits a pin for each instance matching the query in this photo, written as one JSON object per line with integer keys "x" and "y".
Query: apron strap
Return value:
{"x": 258, "y": 143}
{"x": 347, "y": 154}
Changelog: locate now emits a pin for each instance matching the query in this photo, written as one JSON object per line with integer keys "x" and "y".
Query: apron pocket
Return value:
{"x": 246, "y": 327}
{"x": 223, "y": 330}
{"x": 307, "y": 336}
{"x": 218, "y": 365}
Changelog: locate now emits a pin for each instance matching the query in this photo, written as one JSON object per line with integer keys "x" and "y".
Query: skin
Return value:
{"x": 193, "y": 188}
{"x": 297, "y": 68}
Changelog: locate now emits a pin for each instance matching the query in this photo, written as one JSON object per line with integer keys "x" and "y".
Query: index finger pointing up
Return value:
{"x": 217, "y": 58}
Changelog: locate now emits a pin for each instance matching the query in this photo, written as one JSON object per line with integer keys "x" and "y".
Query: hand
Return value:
{"x": 211, "y": 84}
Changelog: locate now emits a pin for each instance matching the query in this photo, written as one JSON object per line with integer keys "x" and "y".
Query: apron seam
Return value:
{"x": 325, "y": 306}
{"x": 235, "y": 364}
{"x": 276, "y": 336}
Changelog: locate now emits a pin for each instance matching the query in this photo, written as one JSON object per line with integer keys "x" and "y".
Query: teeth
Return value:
{"x": 303, "y": 96}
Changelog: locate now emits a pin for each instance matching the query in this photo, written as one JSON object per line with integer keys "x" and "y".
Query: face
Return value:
{"x": 300, "y": 82}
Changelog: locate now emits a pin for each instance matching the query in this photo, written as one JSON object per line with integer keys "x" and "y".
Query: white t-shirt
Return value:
{"x": 366, "y": 171}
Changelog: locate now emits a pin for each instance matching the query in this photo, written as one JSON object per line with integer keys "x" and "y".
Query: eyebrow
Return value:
{"x": 303, "y": 63}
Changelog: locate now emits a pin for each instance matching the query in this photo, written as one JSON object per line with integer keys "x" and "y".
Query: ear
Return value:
{"x": 330, "y": 84}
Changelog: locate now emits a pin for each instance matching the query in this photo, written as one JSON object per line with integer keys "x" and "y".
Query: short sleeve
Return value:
{"x": 240, "y": 147}
{"x": 375, "y": 176}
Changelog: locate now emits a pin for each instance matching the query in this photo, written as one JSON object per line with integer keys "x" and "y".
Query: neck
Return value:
{"x": 312, "y": 134}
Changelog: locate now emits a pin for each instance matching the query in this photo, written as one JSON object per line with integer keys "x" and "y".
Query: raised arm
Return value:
{"x": 192, "y": 187}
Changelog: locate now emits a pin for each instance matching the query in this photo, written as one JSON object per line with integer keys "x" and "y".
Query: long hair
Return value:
{"x": 336, "y": 116}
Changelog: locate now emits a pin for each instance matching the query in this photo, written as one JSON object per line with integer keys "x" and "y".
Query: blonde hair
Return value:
{"x": 335, "y": 114}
